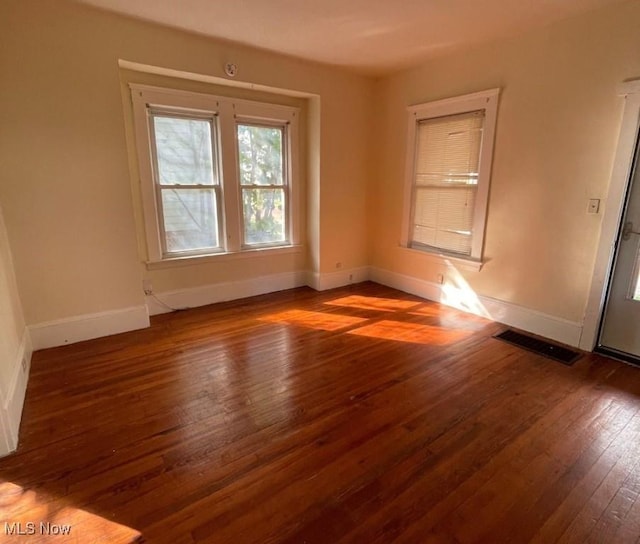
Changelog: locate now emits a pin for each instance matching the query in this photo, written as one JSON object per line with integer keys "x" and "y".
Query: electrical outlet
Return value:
{"x": 147, "y": 287}
{"x": 594, "y": 205}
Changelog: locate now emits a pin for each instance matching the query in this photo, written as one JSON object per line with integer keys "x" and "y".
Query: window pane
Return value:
{"x": 443, "y": 217}
{"x": 448, "y": 149}
{"x": 190, "y": 219}
{"x": 184, "y": 151}
{"x": 260, "y": 155}
{"x": 264, "y": 215}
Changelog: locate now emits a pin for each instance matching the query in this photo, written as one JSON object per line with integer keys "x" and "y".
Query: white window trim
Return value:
{"x": 484, "y": 100}
{"x": 228, "y": 111}
{"x": 440, "y": 257}
{"x": 252, "y": 253}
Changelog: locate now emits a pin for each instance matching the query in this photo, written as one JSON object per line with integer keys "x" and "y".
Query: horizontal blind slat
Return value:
{"x": 443, "y": 217}
{"x": 449, "y": 145}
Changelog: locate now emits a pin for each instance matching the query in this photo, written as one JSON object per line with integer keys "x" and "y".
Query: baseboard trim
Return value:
{"x": 545, "y": 325}
{"x": 166, "y": 301}
{"x": 340, "y": 278}
{"x": 88, "y": 326}
{"x": 13, "y": 398}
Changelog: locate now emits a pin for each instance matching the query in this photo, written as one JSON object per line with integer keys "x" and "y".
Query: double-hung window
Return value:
{"x": 218, "y": 175}
{"x": 448, "y": 171}
{"x": 186, "y": 180}
{"x": 263, "y": 170}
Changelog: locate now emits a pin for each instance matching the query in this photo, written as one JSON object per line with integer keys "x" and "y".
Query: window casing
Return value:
{"x": 450, "y": 148}
{"x": 218, "y": 175}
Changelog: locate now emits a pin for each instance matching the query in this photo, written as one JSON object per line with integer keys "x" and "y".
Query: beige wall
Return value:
{"x": 70, "y": 203}
{"x": 66, "y": 184}
{"x": 558, "y": 121}
{"x": 12, "y": 325}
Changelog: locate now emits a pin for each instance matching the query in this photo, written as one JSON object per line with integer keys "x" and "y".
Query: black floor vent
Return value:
{"x": 557, "y": 353}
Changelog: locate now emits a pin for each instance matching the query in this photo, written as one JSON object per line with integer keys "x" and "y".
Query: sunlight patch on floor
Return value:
{"x": 27, "y": 516}
{"x": 451, "y": 318}
{"x": 411, "y": 332}
{"x": 314, "y": 320}
{"x": 374, "y": 303}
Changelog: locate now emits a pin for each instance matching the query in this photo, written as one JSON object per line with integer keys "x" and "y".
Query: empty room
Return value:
{"x": 319, "y": 272}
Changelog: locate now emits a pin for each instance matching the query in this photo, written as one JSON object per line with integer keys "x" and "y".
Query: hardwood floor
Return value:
{"x": 359, "y": 415}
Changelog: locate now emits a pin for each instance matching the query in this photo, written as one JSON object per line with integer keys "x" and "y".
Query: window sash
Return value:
{"x": 448, "y": 148}
{"x": 443, "y": 217}
{"x": 283, "y": 188}
{"x": 155, "y": 113}
{"x": 216, "y": 226}
{"x": 277, "y": 239}
{"x": 160, "y": 187}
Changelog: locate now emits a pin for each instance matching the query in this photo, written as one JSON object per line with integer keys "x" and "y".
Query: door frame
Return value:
{"x": 612, "y": 214}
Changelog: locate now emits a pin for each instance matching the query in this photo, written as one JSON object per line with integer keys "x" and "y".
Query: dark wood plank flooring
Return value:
{"x": 359, "y": 415}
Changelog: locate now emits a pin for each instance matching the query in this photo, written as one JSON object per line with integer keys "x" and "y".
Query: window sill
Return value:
{"x": 443, "y": 258}
{"x": 190, "y": 260}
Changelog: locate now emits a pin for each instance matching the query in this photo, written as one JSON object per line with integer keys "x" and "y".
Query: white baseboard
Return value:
{"x": 86, "y": 327}
{"x": 547, "y": 326}
{"x": 340, "y": 278}
{"x": 13, "y": 397}
{"x": 221, "y": 292}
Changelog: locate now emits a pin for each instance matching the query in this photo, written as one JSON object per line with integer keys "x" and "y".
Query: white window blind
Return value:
{"x": 447, "y": 158}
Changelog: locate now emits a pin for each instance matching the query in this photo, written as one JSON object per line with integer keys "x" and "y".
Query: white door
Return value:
{"x": 620, "y": 330}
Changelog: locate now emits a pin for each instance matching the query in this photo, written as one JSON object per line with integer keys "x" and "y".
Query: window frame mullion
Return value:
{"x": 230, "y": 176}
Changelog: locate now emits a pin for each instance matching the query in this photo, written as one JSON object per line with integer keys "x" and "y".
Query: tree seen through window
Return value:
{"x": 261, "y": 164}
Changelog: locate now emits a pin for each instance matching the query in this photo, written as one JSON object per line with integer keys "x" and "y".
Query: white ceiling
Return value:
{"x": 370, "y": 36}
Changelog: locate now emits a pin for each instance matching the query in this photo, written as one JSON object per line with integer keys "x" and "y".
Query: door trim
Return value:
{"x": 618, "y": 355}
{"x": 613, "y": 210}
